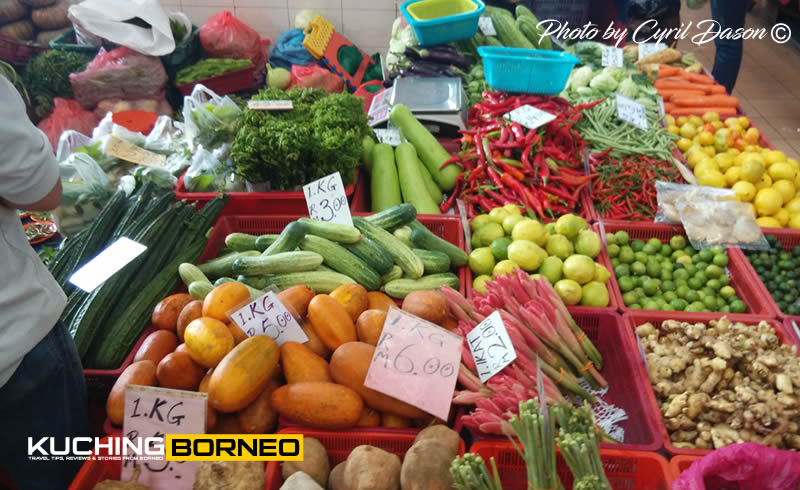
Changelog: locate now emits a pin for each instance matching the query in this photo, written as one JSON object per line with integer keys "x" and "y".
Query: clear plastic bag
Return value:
{"x": 721, "y": 224}
{"x": 164, "y": 137}
{"x": 205, "y": 174}
{"x": 315, "y": 76}
{"x": 209, "y": 120}
{"x": 670, "y": 195}
{"x": 225, "y": 36}
{"x": 69, "y": 142}
{"x": 85, "y": 190}
{"x": 67, "y": 114}
{"x": 157, "y": 104}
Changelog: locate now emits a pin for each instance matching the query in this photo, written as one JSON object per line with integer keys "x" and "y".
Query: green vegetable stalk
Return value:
{"x": 579, "y": 446}
{"x": 470, "y": 473}
{"x": 536, "y": 431}
{"x": 47, "y": 77}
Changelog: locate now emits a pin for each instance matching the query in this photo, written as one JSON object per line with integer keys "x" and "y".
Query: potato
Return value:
{"x": 315, "y": 462}
{"x": 426, "y": 467}
{"x": 336, "y": 478}
{"x": 370, "y": 468}
{"x": 442, "y": 435}
{"x": 231, "y": 475}
{"x": 300, "y": 481}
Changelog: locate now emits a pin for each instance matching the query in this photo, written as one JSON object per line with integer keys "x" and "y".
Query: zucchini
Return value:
{"x": 430, "y": 184}
{"x": 254, "y": 292}
{"x": 200, "y": 289}
{"x": 190, "y": 273}
{"x": 341, "y": 260}
{"x": 369, "y": 251}
{"x": 400, "y": 288}
{"x": 384, "y": 183}
{"x": 264, "y": 241}
{"x": 277, "y": 264}
{"x": 404, "y": 235}
{"x": 241, "y": 242}
{"x": 424, "y": 238}
{"x": 319, "y": 281}
{"x": 401, "y": 254}
{"x": 287, "y": 240}
{"x": 393, "y": 217}
{"x": 412, "y": 185}
{"x": 433, "y": 260}
{"x": 507, "y": 30}
{"x": 258, "y": 282}
{"x": 332, "y": 231}
{"x": 223, "y": 280}
{"x": 395, "y": 273}
{"x": 528, "y": 26}
{"x": 223, "y": 266}
{"x": 431, "y": 152}
{"x": 136, "y": 205}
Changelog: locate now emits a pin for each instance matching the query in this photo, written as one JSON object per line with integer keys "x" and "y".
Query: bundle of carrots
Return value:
{"x": 687, "y": 94}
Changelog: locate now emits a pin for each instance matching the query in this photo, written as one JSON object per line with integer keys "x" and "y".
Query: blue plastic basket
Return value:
{"x": 444, "y": 29}
{"x": 532, "y": 71}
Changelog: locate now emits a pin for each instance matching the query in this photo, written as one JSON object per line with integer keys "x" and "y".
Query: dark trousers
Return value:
{"x": 45, "y": 397}
{"x": 729, "y": 14}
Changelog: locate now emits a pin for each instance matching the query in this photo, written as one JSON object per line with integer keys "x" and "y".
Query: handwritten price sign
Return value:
{"x": 153, "y": 413}
{"x": 490, "y": 346}
{"x": 646, "y": 49}
{"x": 268, "y": 316}
{"x": 327, "y": 201}
{"x": 631, "y": 112}
{"x": 486, "y": 26}
{"x": 417, "y": 362}
{"x": 612, "y": 57}
{"x": 530, "y": 117}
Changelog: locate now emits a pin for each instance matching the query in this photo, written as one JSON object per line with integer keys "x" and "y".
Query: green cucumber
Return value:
{"x": 264, "y": 241}
{"x": 412, "y": 185}
{"x": 393, "y": 217}
{"x": 404, "y": 235}
{"x": 319, "y": 281}
{"x": 395, "y": 273}
{"x": 425, "y": 238}
{"x": 200, "y": 289}
{"x": 401, "y": 254}
{"x": 430, "y": 184}
{"x": 369, "y": 251}
{"x": 223, "y": 266}
{"x": 384, "y": 182}
{"x": 258, "y": 282}
{"x": 433, "y": 260}
{"x": 332, "y": 231}
{"x": 287, "y": 240}
{"x": 190, "y": 273}
{"x": 341, "y": 260}
{"x": 281, "y": 263}
{"x": 241, "y": 242}
{"x": 400, "y": 288}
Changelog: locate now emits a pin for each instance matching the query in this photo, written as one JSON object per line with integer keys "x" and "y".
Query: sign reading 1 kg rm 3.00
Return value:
{"x": 327, "y": 201}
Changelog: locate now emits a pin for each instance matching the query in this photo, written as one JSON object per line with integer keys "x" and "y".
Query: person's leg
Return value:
{"x": 730, "y": 15}
{"x": 46, "y": 397}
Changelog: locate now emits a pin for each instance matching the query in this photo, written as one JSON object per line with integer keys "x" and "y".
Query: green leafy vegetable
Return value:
{"x": 47, "y": 77}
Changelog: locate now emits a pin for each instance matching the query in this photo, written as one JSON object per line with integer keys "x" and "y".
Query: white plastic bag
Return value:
{"x": 671, "y": 195}
{"x": 210, "y": 120}
{"x": 69, "y": 142}
{"x": 86, "y": 189}
{"x": 105, "y": 19}
{"x": 726, "y": 224}
{"x": 205, "y": 174}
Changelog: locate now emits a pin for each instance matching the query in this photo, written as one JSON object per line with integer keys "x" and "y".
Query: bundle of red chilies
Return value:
{"x": 540, "y": 327}
{"x": 505, "y": 163}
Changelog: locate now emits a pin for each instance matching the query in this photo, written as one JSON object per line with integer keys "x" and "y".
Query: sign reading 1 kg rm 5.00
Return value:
{"x": 327, "y": 201}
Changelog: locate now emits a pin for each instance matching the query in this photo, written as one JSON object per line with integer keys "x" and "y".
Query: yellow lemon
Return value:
{"x": 706, "y": 164}
{"x": 669, "y": 119}
{"x": 739, "y": 159}
{"x": 688, "y": 130}
{"x": 681, "y": 120}
{"x": 782, "y": 216}
{"x": 706, "y": 138}
{"x": 710, "y": 150}
{"x": 731, "y": 121}
{"x": 733, "y": 152}
{"x": 724, "y": 161}
{"x": 766, "y": 181}
{"x": 752, "y": 169}
{"x": 786, "y": 189}
{"x": 711, "y": 116}
{"x": 684, "y": 144}
{"x": 695, "y": 121}
{"x": 717, "y": 125}
{"x": 793, "y": 163}
{"x": 768, "y": 222}
{"x": 745, "y": 191}
{"x": 744, "y": 122}
{"x": 713, "y": 178}
{"x": 781, "y": 170}
{"x": 794, "y": 221}
{"x": 797, "y": 179}
{"x": 753, "y": 209}
{"x": 732, "y": 175}
{"x": 673, "y": 129}
{"x": 696, "y": 157}
{"x": 793, "y": 206}
{"x": 774, "y": 156}
{"x": 768, "y": 201}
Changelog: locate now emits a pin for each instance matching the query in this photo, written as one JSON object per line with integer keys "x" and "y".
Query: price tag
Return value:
{"x": 270, "y": 105}
{"x": 123, "y": 150}
{"x": 152, "y": 413}
{"x": 631, "y": 112}
{"x": 268, "y": 316}
{"x": 646, "y": 49}
{"x": 106, "y": 264}
{"x": 486, "y": 26}
{"x": 416, "y": 362}
{"x": 462, "y": 210}
{"x": 327, "y": 201}
{"x": 490, "y": 346}
{"x": 389, "y": 136}
{"x": 661, "y": 111}
{"x": 379, "y": 109}
{"x": 530, "y": 117}
{"x": 612, "y": 57}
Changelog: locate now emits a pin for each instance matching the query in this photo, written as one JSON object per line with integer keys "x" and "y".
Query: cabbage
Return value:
{"x": 647, "y": 102}
{"x": 584, "y": 91}
{"x": 628, "y": 88}
{"x": 604, "y": 82}
{"x": 618, "y": 73}
{"x": 303, "y": 17}
{"x": 579, "y": 78}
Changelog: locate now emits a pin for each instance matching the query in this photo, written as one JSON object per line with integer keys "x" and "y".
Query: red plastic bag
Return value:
{"x": 67, "y": 114}
{"x": 747, "y": 466}
{"x": 315, "y": 76}
{"x": 225, "y": 36}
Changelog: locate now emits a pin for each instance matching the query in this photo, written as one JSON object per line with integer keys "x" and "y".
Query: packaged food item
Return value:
{"x": 725, "y": 224}
{"x": 670, "y": 195}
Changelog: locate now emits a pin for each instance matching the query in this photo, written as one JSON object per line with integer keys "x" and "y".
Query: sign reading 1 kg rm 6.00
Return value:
{"x": 327, "y": 201}
{"x": 268, "y": 316}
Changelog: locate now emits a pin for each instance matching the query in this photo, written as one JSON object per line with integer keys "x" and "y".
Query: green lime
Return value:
{"x": 531, "y": 230}
{"x": 630, "y": 297}
{"x": 714, "y": 284}
{"x": 621, "y": 237}
{"x": 708, "y": 291}
{"x": 524, "y": 253}
{"x": 640, "y": 291}
{"x": 690, "y": 268}
{"x": 595, "y": 294}
{"x": 706, "y": 255}
{"x": 650, "y": 287}
{"x": 738, "y": 307}
{"x": 625, "y": 284}
{"x": 613, "y": 250}
{"x": 641, "y": 257}
{"x": 666, "y": 274}
{"x": 668, "y": 286}
{"x": 570, "y": 225}
{"x": 721, "y": 303}
{"x": 479, "y": 283}
{"x": 666, "y": 250}
{"x": 626, "y": 255}
{"x": 724, "y": 280}
{"x": 684, "y": 259}
{"x": 510, "y": 221}
{"x": 677, "y": 253}
{"x": 725, "y": 309}
{"x": 649, "y": 304}
{"x": 499, "y": 248}
{"x": 551, "y": 269}
{"x": 635, "y": 306}
{"x": 637, "y": 281}
{"x": 504, "y": 267}
{"x": 680, "y": 275}
{"x": 695, "y": 283}
{"x": 637, "y": 245}
{"x": 489, "y": 233}
{"x": 615, "y": 262}
{"x": 653, "y": 269}
{"x": 497, "y": 215}
{"x": 622, "y": 270}
{"x": 551, "y": 228}
{"x": 701, "y": 295}
{"x": 588, "y": 243}
{"x": 560, "y": 246}
{"x": 569, "y": 291}
{"x": 701, "y": 266}
{"x": 692, "y": 296}
{"x": 668, "y": 307}
{"x": 714, "y": 271}
{"x": 476, "y": 241}
{"x": 720, "y": 260}
{"x": 651, "y": 249}
{"x": 513, "y": 209}
{"x": 710, "y": 302}
{"x": 683, "y": 291}
{"x": 638, "y": 268}
{"x": 611, "y": 239}
{"x": 481, "y": 261}
{"x": 679, "y": 304}
{"x": 670, "y": 295}
{"x": 654, "y": 242}
{"x": 601, "y": 274}
{"x": 702, "y": 277}
{"x": 677, "y": 242}
{"x": 727, "y": 292}
{"x": 478, "y": 222}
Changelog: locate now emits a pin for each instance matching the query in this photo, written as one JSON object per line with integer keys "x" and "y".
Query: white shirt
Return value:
{"x": 31, "y": 301}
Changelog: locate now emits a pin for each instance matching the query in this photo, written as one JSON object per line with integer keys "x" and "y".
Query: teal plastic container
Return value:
{"x": 442, "y": 21}
{"x": 530, "y": 71}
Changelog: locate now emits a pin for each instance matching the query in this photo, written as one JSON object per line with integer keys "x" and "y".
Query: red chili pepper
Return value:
{"x": 498, "y": 197}
{"x": 445, "y": 206}
{"x": 516, "y": 173}
{"x": 487, "y": 204}
{"x": 496, "y": 180}
{"x": 541, "y": 167}
{"x": 572, "y": 180}
{"x": 453, "y": 160}
{"x": 516, "y": 129}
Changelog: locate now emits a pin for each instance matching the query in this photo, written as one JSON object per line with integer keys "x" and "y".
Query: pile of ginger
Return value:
{"x": 724, "y": 383}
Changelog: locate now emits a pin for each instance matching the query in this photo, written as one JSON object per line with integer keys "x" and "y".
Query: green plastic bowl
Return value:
{"x": 436, "y": 9}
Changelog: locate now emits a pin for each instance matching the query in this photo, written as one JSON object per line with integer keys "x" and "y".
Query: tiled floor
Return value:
{"x": 768, "y": 86}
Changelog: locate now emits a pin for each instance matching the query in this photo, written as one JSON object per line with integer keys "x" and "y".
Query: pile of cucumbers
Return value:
{"x": 389, "y": 251}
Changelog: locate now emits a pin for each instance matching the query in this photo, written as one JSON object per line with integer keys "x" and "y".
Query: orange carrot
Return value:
{"x": 669, "y": 92}
{"x": 667, "y": 70}
{"x": 717, "y": 89}
{"x": 705, "y": 101}
{"x": 679, "y": 84}
{"x": 701, "y": 78}
{"x": 696, "y": 110}
{"x": 669, "y": 107}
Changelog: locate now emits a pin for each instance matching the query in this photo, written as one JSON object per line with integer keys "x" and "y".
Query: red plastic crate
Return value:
{"x": 608, "y": 333}
{"x": 93, "y": 472}
{"x": 679, "y": 464}
{"x": 788, "y": 238}
{"x": 614, "y": 300}
{"x": 340, "y": 443}
{"x": 256, "y": 203}
{"x": 100, "y": 381}
{"x": 632, "y": 320}
{"x": 624, "y": 469}
{"x": 447, "y": 227}
{"x": 793, "y": 334}
{"x": 232, "y": 81}
{"x": 738, "y": 267}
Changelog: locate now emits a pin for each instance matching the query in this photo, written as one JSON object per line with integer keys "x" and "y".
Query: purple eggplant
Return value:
{"x": 439, "y": 54}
